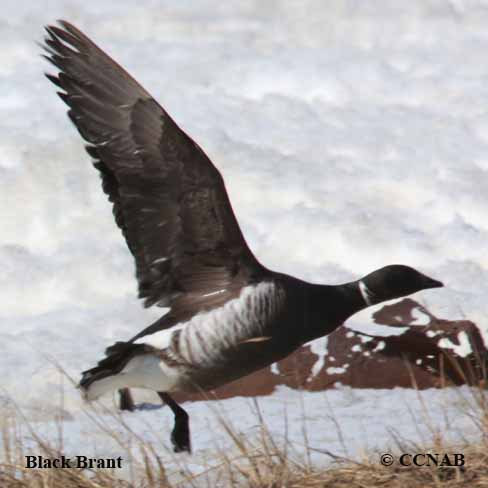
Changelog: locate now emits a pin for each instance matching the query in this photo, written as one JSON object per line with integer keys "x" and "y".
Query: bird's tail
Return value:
{"x": 104, "y": 377}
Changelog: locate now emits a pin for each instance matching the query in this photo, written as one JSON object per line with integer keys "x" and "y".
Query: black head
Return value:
{"x": 394, "y": 281}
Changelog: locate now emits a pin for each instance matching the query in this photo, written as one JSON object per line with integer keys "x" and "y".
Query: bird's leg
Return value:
{"x": 180, "y": 437}
{"x": 126, "y": 402}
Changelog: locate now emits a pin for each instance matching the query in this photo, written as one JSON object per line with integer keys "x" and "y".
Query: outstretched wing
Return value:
{"x": 168, "y": 198}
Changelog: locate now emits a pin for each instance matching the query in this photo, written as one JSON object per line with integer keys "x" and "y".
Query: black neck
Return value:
{"x": 330, "y": 306}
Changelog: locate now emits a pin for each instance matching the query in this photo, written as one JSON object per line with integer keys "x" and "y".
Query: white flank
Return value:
{"x": 207, "y": 335}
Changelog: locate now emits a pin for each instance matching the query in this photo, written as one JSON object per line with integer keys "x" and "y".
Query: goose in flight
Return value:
{"x": 229, "y": 315}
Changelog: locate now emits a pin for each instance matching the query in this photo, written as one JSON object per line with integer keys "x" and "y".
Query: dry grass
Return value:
{"x": 262, "y": 467}
{"x": 257, "y": 462}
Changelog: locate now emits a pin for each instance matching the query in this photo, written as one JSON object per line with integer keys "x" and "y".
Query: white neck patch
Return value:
{"x": 366, "y": 293}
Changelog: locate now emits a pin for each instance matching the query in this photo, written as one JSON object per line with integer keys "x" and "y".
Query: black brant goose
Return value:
{"x": 229, "y": 315}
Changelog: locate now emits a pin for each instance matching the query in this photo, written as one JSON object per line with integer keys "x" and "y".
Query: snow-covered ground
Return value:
{"x": 346, "y": 422}
{"x": 350, "y": 135}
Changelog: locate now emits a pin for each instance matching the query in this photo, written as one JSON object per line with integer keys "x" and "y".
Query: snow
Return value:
{"x": 275, "y": 369}
{"x": 362, "y": 322}
{"x": 420, "y": 317}
{"x": 380, "y": 346}
{"x": 462, "y": 349}
{"x": 363, "y": 125}
{"x": 346, "y": 422}
{"x": 319, "y": 348}
{"x": 334, "y": 370}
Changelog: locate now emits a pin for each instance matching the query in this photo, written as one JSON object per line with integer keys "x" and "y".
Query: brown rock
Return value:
{"x": 433, "y": 354}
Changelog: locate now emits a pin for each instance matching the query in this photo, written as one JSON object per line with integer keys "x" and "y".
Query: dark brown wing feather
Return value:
{"x": 168, "y": 198}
